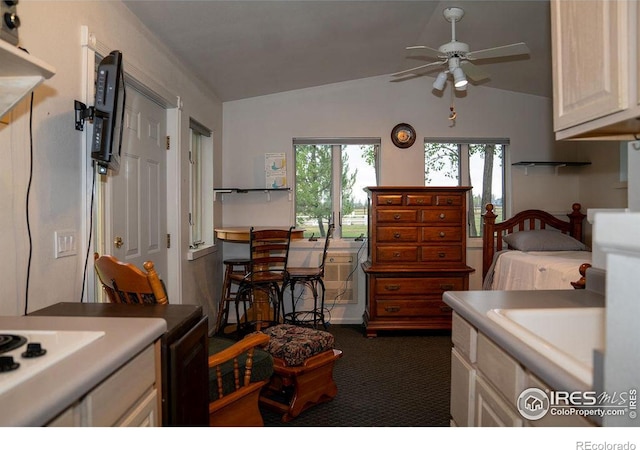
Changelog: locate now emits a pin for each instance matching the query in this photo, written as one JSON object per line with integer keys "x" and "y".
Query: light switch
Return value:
{"x": 65, "y": 243}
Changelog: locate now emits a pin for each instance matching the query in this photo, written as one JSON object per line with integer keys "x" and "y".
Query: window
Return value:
{"x": 200, "y": 182}
{"x": 478, "y": 163}
{"x": 331, "y": 175}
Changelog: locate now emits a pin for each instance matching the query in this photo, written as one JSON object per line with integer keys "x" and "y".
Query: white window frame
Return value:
{"x": 336, "y": 181}
{"x": 464, "y": 167}
{"x": 200, "y": 190}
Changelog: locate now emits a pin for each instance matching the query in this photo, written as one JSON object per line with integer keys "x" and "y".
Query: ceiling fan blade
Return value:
{"x": 474, "y": 72}
{"x": 421, "y": 52}
{"x": 414, "y": 69}
{"x": 496, "y": 52}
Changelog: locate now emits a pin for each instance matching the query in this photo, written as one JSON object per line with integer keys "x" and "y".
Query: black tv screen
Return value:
{"x": 108, "y": 113}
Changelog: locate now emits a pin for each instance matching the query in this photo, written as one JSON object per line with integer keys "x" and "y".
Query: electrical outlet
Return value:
{"x": 65, "y": 243}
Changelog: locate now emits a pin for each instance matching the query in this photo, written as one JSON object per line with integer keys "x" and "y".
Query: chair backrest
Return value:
{"x": 326, "y": 245}
{"x": 269, "y": 251}
{"x": 125, "y": 283}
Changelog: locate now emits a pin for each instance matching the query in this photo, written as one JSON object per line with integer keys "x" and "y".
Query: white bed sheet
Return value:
{"x": 516, "y": 270}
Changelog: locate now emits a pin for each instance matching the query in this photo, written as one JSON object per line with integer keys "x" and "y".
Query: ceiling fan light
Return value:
{"x": 441, "y": 79}
{"x": 459, "y": 80}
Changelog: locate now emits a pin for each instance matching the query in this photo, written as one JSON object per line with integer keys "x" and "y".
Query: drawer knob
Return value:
{"x": 449, "y": 201}
{"x": 396, "y": 235}
{"x": 442, "y": 215}
{"x": 389, "y": 201}
{"x": 396, "y": 216}
{"x": 392, "y": 308}
{"x": 446, "y": 287}
{"x": 442, "y": 234}
{"x": 396, "y": 254}
{"x": 442, "y": 255}
{"x": 392, "y": 287}
{"x": 420, "y": 201}
{"x": 445, "y": 308}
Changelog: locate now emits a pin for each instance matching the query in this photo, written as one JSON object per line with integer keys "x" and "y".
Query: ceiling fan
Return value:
{"x": 456, "y": 57}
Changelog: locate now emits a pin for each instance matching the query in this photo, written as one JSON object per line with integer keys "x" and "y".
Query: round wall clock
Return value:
{"x": 403, "y": 135}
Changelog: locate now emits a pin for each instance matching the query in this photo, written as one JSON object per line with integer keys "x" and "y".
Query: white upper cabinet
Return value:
{"x": 20, "y": 73}
{"x": 595, "y": 69}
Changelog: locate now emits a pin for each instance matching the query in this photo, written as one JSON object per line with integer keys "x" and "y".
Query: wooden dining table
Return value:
{"x": 243, "y": 234}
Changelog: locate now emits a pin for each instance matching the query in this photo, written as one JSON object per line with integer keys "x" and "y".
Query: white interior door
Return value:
{"x": 137, "y": 201}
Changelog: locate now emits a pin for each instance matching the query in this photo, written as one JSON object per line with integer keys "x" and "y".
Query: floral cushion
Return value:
{"x": 295, "y": 344}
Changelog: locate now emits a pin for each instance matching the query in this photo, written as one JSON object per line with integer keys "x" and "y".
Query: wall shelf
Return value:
{"x": 268, "y": 191}
{"x": 555, "y": 164}
{"x": 20, "y": 73}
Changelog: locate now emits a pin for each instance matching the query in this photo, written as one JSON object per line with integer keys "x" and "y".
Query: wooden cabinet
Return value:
{"x": 128, "y": 398}
{"x": 183, "y": 354}
{"x": 595, "y": 48}
{"x": 416, "y": 252}
{"x": 486, "y": 383}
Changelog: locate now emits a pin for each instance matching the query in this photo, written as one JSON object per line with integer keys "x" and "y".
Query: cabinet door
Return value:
{"x": 463, "y": 382}
{"x": 491, "y": 409}
{"x": 589, "y": 49}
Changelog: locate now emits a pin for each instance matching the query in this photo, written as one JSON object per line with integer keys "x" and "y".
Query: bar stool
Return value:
{"x": 313, "y": 278}
{"x": 235, "y": 271}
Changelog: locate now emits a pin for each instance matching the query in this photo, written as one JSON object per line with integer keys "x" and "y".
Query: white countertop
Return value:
{"x": 473, "y": 307}
{"x": 39, "y": 399}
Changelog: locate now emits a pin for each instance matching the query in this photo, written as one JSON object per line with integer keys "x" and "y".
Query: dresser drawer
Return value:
{"x": 419, "y": 199}
{"x": 389, "y": 199}
{"x": 441, "y": 234}
{"x": 397, "y": 215}
{"x": 448, "y": 200}
{"x": 412, "y": 308}
{"x": 448, "y": 253}
{"x": 443, "y": 215}
{"x": 416, "y": 286}
{"x": 407, "y": 254}
{"x": 397, "y": 234}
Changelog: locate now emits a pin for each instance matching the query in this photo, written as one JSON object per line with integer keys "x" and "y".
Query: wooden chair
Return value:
{"x": 258, "y": 302}
{"x": 235, "y": 381}
{"x": 313, "y": 278}
{"x": 125, "y": 283}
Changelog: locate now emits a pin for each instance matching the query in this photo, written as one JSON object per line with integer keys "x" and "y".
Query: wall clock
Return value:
{"x": 403, "y": 135}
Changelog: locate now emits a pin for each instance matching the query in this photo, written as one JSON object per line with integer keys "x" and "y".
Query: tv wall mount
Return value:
{"x": 83, "y": 112}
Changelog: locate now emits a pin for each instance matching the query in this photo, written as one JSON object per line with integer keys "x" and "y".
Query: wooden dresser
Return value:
{"x": 416, "y": 251}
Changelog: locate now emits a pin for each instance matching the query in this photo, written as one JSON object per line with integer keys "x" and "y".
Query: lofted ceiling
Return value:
{"x": 246, "y": 48}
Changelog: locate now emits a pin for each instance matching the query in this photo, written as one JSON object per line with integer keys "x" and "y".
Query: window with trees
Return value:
{"x": 474, "y": 162}
{"x": 331, "y": 175}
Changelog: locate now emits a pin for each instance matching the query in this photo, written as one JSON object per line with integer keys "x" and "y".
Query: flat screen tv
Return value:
{"x": 108, "y": 113}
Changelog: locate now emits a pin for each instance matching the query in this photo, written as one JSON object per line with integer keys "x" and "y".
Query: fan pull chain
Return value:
{"x": 452, "y": 114}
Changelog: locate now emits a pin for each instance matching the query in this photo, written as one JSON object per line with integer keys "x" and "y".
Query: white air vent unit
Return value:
{"x": 339, "y": 279}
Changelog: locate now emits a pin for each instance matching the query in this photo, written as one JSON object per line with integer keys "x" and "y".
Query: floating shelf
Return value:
{"x": 20, "y": 73}
{"x": 268, "y": 191}
{"x": 556, "y": 164}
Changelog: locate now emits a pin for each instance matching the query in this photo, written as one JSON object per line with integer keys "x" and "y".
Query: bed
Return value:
{"x": 534, "y": 250}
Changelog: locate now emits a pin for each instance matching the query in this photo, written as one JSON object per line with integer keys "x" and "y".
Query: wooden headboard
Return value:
{"x": 531, "y": 219}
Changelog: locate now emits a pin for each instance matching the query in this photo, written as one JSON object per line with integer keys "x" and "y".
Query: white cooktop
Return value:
{"x": 58, "y": 345}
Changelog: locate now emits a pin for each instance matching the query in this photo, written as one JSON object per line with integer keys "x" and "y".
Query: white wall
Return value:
{"x": 51, "y": 32}
{"x": 370, "y": 108}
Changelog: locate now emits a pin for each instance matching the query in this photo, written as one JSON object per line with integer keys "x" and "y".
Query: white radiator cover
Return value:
{"x": 340, "y": 279}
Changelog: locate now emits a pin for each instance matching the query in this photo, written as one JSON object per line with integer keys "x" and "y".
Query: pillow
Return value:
{"x": 543, "y": 240}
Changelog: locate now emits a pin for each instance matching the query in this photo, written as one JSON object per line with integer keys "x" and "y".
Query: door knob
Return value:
{"x": 118, "y": 242}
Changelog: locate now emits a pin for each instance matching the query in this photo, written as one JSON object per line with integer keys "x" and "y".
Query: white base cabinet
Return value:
{"x": 486, "y": 383}
{"x": 128, "y": 398}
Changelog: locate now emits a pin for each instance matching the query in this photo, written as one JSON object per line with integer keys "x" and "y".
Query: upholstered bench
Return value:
{"x": 237, "y": 373}
{"x": 303, "y": 361}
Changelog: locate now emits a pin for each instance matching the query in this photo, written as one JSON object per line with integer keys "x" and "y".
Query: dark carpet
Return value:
{"x": 398, "y": 379}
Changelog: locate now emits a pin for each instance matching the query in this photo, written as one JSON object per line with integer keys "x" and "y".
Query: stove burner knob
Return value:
{"x": 34, "y": 350}
{"x": 7, "y": 364}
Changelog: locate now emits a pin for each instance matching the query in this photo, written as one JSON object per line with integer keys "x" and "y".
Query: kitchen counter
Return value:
{"x": 39, "y": 399}
{"x": 473, "y": 307}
